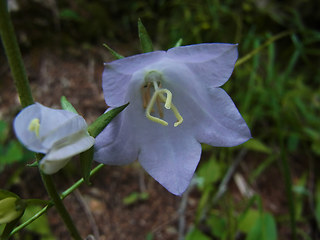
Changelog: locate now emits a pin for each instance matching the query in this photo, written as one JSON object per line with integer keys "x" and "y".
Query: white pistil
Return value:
{"x": 152, "y": 101}
{"x": 175, "y": 111}
{"x": 155, "y": 78}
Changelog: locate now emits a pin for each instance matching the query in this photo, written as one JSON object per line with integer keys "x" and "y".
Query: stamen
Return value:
{"x": 175, "y": 111}
{"x": 178, "y": 116}
{"x": 34, "y": 126}
{"x": 155, "y": 78}
{"x": 148, "y": 92}
{"x": 159, "y": 107}
{"x": 144, "y": 100}
{"x": 152, "y": 101}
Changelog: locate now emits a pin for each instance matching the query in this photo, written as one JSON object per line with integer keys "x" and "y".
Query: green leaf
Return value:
{"x": 86, "y": 159}
{"x": 249, "y": 219}
{"x": 218, "y": 226}
{"x": 131, "y": 199}
{"x": 69, "y": 14}
{"x": 149, "y": 236}
{"x": 4, "y": 130}
{"x": 145, "y": 41}
{"x": 264, "y": 228}
{"x": 196, "y": 234}
{"x": 40, "y": 225}
{"x": 66, "y": 105}
{"x": 114, "y": 53}
{"x": 5, "y": 235}
{"x": 135, "y": 197}
{"x": 101, "y": 122}
{"x": 14, "y": 152}
{"x": 36, "y": 201}
{"x": 5, "y": 194}
{"x": 178, "y": 43}
{"x": 317, "y": 203}
{"x": 256, "y": 145}
{"x": 210, "y": 171}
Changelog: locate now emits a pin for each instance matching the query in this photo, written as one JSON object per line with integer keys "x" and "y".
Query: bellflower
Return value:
{"x": 59, "y": 134}
{"x": 175, "y": 104}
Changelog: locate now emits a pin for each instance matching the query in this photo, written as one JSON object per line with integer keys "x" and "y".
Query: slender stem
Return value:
{"x": 22, "y": 84}
{"x": 51, "y": 189}
{"x": 267, "y": 43}
{"x": 62, "y": 196}
{"x": 79, "y": 182}
{"x": 14, "y": 56}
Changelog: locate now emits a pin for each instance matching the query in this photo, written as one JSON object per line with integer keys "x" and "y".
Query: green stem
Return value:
{"x": 14, "y": 56}
{"x": 51, "y": 189}
{"x": 62, "y": 196}
{"x": 22, "y": 84}
{"x": 267, "y": 43}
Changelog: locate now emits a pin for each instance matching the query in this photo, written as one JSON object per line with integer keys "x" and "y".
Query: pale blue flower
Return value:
{"x": 175, "y": 104}
{"x": 59, "y": 134}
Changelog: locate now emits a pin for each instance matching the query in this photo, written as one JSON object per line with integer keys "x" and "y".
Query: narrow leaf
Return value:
{"x": 196, "y": 234}
{"x": 145, "y": 41}
{"x": 97, "y": 126}
{"x": 86, "y": 159}
{"x": 114, "y": 53}
{"x": 257, "y": 145}
{"x": 178, "y": 43}
{"x": 267, "y": 43}
{"x": 66, "y": 105}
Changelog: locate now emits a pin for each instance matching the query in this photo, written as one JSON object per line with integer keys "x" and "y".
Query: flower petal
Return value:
{"x": 213, "y": 63}
{"x": 171, "y": 158}
{"x": 51, "y": 167}
{"x": 117, "y": 75}
{"x": 209, "y": 112}
{"x": 221, "y": 123}
{"x": 52, "y": 120}
{"x": 64, "y": 129}
{"x": 21, "y": 127}
{"x": 115, "y": 145}
{"x": 70, "y": 146}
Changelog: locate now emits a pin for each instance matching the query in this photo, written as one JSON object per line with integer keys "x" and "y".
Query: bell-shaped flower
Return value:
{"x": 175, "y": 104}
{"x": 59, "y": 134}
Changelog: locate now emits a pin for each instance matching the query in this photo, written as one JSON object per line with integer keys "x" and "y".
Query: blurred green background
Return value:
{"x": 276, "y": 90}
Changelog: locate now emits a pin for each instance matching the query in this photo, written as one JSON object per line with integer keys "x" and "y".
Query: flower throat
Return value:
{"x": 160, "y": 95}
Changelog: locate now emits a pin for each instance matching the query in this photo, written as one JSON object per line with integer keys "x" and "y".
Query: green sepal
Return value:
{"x": 178, "y": 43}
{"x": 86, "y": 159}
{"x": 101, "y": 122}
{"x": 113, "y": 52}
{"x": 66, "y": 105}
{"x": 145, "y": 41}
{"x": 34, "y": 164}
{"x": 94, "y": 129}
